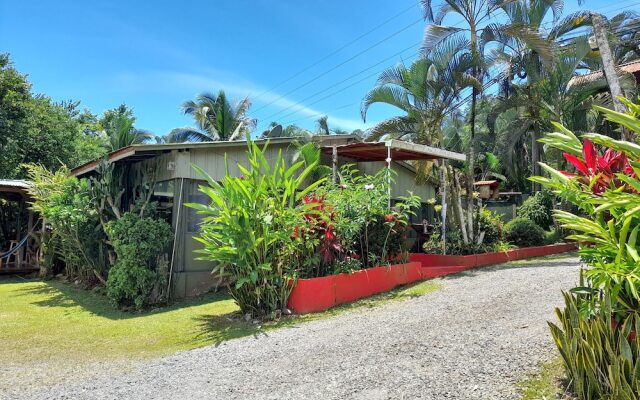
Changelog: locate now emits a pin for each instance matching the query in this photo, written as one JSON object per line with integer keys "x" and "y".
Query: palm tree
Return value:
{"x": 122, "y": 133}
{"x": 215, "y": 118}
{"x": 478, "y": 30}
{"x": 424, "y": 92}
{"x": 540, "y": 94}
{"x": 322, "y": 127}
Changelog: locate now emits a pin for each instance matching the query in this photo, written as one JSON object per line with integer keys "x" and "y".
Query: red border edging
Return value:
{"x": 319, "y": 294}
{"x": 478, "y": 260}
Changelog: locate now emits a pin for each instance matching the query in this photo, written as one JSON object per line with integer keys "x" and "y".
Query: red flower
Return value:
{"x": 389, "y": 217}
{"x": 602, "y": 169}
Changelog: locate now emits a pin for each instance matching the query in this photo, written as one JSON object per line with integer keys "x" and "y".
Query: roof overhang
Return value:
{"x": 139, "y": 152}
{"x": 398, "y": 149}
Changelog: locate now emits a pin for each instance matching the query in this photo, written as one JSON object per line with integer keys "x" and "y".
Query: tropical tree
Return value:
{"x": 478, "y": 31}
{"x": 121, "y": 133}
{"x": 540, "y": 94}
{"x": 424, "y": 92}
{"x": 215, "y": 118}
{"x": 322, "y": 127}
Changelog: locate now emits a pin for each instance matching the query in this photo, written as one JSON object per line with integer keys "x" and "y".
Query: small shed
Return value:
{"x": 488, "y": 189}
{"x": 18, "y": 246}
{"x": 176, "y": 183}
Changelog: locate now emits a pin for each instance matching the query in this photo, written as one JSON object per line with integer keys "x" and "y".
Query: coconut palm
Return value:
{"x": 215, "y": 118}
{"x": 122, "y": 133}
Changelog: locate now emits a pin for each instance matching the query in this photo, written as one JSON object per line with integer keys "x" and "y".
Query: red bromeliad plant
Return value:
{"x": 605, "y": 187}
{"x": 599, "y": 172}
{"x": 597, "y": 334}
{"x": 318, "y": 235}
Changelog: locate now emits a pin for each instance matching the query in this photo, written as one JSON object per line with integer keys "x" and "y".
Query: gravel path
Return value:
{"x": 473, "y": 339}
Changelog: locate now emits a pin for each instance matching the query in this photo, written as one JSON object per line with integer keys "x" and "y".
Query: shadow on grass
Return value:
{"x": 218, "y": 328}
{"x": 215, "y": 329}
{"x": 57, "y": 294}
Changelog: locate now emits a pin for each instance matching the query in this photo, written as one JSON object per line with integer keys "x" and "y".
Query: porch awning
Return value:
{"x": 398, "y": 150}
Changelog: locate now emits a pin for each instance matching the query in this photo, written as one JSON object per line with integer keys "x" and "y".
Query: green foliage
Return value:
{"x": 523, "y": 233}
{"x": 248, "y": 228}
{"x": 554, "y": 236}
{"x": 601, "y": 361}
{"x": 538, "y": 208}
{"x": 37, "y": 130}
{"x": 215, "y": 118}
{"x": 75, "y": 237}
{"x": 140, "y": 269}
{"x": 362, "y": 218}
{"x": 491, "y": 224}
{"x": 454, "y": 246}
{"x": 609, "y": 205}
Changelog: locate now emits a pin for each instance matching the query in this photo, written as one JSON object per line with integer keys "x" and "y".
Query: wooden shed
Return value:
{"x": 18, "y": 245}
{"x": 177, "y": 184}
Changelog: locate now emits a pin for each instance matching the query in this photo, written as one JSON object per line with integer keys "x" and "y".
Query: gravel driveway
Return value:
{"x": 474, "y": 339}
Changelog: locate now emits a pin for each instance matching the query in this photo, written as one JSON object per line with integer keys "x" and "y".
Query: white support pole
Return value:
{"x": 389, "y": 172}
{"x": 175, "y": 236}
{"x": 334, "y": 164}
{"x": 443, "y": 192}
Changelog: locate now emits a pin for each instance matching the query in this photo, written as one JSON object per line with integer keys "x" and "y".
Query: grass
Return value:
{"x": 51, "y": 322}
{"x": 547, "y": 384}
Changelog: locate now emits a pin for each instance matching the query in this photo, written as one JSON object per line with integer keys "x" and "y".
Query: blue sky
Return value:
{"x": 155, "y": 55}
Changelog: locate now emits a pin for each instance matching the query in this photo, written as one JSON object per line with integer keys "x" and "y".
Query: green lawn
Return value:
{"x": 54, "y": 323}
{"x": 547, "y": 384}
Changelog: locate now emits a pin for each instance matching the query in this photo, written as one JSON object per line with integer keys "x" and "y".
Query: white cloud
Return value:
{"x": 239, "y": 87}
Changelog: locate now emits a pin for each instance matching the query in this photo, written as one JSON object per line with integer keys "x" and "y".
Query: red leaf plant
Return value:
{"x": 319, "y": 226}
{"x": 599, "y": 170}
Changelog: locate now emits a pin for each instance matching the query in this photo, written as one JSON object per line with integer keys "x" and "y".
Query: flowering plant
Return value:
{"x": 604, "y": 187}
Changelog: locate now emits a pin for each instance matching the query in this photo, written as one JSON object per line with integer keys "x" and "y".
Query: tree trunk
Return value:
{"x": 472, "y": 121}
{"x": 455, "y": 199}
{"x": 535, "y": 158}
{"x": 472, "y": 164}
{"x": 609, "y": 67}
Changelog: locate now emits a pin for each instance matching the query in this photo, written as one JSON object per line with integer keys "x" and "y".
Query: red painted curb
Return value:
{"x": 319, "y": 294}
{"x": 477, "y": 260}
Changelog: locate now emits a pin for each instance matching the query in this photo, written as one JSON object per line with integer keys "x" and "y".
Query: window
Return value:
{"x": 193, "y": 195}
{"x": 163, "y": 195}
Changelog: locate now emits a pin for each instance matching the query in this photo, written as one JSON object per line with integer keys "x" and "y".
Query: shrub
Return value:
{"x": 491, "y": 223}
{"x": 365, "y": 225}
{"x": 455, "y": 245}
{"x": 250, "y": 228}
{"x": 553, "y": 236}
{"x": 139, "y": 275}
{"x": 601, "y": 361}
{"x": 538, "y": 208}
{"x": 523, "y": 233}
{"x": 75, "y": 236}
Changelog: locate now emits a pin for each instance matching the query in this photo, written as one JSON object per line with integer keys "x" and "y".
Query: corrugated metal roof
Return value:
{"x": 400, "y": 151}
{"x": 139, "y": 152}
{"x": 16, "y": 183}
{"x": 632, "y": 67}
